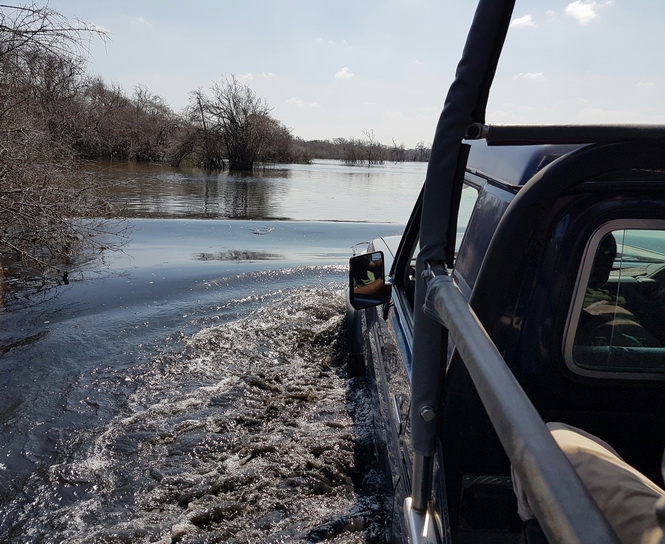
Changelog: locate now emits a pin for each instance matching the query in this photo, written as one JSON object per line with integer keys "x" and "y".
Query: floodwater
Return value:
{"x": 322, "y": 191}
{"x": 192, "y": 388}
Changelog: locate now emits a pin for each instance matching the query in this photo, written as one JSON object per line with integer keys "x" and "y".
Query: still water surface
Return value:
{"x": 192, "y": 388}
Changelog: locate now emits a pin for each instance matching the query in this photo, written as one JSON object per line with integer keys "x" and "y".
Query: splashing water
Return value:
{"x": 248, "y": 432}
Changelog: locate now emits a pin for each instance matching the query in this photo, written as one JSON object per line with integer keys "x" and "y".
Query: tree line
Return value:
{"x": 225, "y": 127}
{"x": 365, "y": 150}
{"x": 228, "y": 126}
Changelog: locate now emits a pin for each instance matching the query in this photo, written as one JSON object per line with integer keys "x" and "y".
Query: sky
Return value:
{"x": 336, "y": 68}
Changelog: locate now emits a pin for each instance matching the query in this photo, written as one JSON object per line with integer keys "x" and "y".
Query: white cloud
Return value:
{"x": 344, "y": 73}
{"x": 419, "y": 62}
{"x": 585, "y": 11}
{"x": 531, "y": 76}
{"x": 300, "y": 103}
{"x": 582, "y": 12}
{"x": 141, "y": 21}
{"x": 524, "y": 22}
{"x": 321, "y": 39}
{"x": 646, "y": 84}
{"x": 333, "y": 43}
{"x": 249, "y": 76}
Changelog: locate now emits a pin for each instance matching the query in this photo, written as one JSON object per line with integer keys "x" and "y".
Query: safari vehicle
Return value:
{"x": 528, "y": 287}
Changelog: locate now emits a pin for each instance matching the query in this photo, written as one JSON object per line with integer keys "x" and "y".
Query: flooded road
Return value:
{"x": 192, "y": 389}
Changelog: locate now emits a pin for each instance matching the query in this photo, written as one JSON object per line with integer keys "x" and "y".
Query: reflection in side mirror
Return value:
{"x": 367, "y": 285}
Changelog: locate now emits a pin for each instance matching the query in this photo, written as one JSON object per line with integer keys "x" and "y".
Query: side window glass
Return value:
{"x": 468, "y": 200}
{"x": 620, "y": 326}
{"x": 470, "y": 195}
{"x": 470, "y": 243}
{"x": 410, "y": 276}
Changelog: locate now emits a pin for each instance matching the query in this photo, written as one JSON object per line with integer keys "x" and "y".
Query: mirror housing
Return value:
{"x": 367, "y": 281}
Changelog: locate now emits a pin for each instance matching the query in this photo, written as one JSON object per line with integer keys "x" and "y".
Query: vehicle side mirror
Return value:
{"x": 367, "y": 281}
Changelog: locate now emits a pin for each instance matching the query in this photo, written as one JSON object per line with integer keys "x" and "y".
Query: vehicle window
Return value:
{"x": 621, "y": 307}
{"x": 467, "y": 203}
{"x": 470, "y": 251}
{"x": 410, "y": 276}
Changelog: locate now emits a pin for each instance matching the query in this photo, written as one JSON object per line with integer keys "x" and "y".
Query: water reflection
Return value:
{"x": 155, "y": 191}
{"x": 324, "y": 190}
{"x": 237, "y": 255}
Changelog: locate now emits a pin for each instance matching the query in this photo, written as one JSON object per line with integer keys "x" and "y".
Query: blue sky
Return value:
{"x": 332, "y": 68}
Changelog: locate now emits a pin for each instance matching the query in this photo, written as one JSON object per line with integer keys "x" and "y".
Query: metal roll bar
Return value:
{"x": 562, "y": 504}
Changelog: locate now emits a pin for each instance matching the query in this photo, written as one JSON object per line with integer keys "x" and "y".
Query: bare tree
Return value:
{"x": 397, "y": 152}
{"x": 48, "y": 213}
{"x": 235, "y": 125}
{"x": 39, "y": 27}
{"x": 277, "y": 143}
{"x": 370, "y": 144}
{"x": 356, "y": 151}
{"x": 199, "y": 141}
{"x": 420, "y": 152}
{"x": 236, "y": 113}
{"x": 154, "y": 124}
{"x": 351, "y": 149}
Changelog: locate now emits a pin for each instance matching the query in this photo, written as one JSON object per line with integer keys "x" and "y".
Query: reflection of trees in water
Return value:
{"x": 238, "y": 255}
{"x": 246, "y": 197}
{"x": 171, "y": 192}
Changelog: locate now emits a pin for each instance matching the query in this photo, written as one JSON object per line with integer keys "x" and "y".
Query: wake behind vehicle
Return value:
{"x": 528, "y": 287}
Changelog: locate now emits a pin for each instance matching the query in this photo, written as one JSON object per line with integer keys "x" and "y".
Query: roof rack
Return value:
{"x": 562, "y": 134}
